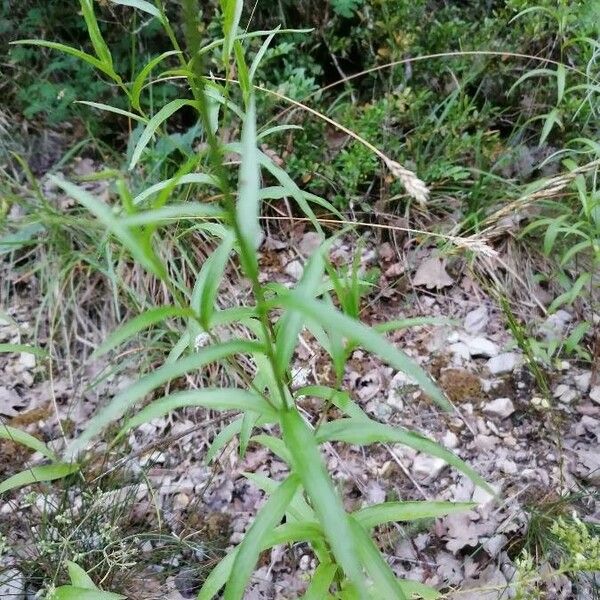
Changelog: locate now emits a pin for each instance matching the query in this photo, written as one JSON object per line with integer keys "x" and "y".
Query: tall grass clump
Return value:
{"x": 305, "y": 506}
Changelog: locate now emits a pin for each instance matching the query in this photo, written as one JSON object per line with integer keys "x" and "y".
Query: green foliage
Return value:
{"x": 273, "y": 319}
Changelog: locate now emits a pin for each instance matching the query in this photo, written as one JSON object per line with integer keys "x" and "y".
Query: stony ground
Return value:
{"x": 533, "y": 449}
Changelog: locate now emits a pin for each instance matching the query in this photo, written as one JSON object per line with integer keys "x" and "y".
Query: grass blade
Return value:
{"x": 326, "y": 503}
{"x": 248, "y": 202}
{"x": 139, "y": 323}
{"x": 38, "y": 475}
{"x": 379, "y": 571}
{"x": 249, "y": 550}
{"x": 216, "y": 399}
{"x": 364, "y": 432}
{"x": 25, "y": 348}
{"x": 25, "y": 439}
{"x": 387, "y": 512}
{"x": 363, "y": 335}
{"x": 320, "y": 582}
{"x": 122, "y": 402}
{"x": 153, "y": 124}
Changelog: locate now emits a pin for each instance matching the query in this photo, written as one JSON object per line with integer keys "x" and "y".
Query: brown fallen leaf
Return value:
{"x": 432, "y": 274}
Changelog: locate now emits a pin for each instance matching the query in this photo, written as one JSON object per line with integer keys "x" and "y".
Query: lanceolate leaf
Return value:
{"x": 37, "y": 475}
{"x": 71, "y": 592}
{"x": 155, "y": 122}
{"x": 332, "y": 319}
{"x": 268, "y": 517}
{"x": 79, "y": 578}
{"x": 387, "y": 512}
{"x": 288, "y": 533}
{"x": 104, "y": 214}
{"x": 88, "y": 58}
{"x": 142, "y": 5}
{"x": 379, "y": 571}
{"x": 364, "y": 432}
{"x": 138, "y": 82}
{"x": 199, "y": 178}
{"x": 248, "y": 201}
{"x": 320, "y": 582}
{"x": 25, "y": 439}
{"x": 139, "y": 323}
{"x": 122, "y": 402}
{"x": 308, "y": 463}
{"x": 25, "y": 348}
{"x": 216, "y": 399}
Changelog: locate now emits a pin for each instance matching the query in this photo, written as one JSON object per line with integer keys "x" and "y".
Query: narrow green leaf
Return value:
{"x": 216, "y": 399}
{"x": 223, "y": 438}
{"x": 242, "y": 71}
{"x": 142, "y": 5}
{"x": 139, "y": 323}
{"x": 248, "y": 202}
{"x": 88, "y": 58}
{"x": 338, "y": 398}
{"x": 113, "y": 109}
{"x": 105, "y": 215}
{"x": 140, "y": 79}
{"x": 387, "y": 512}
{"x": 38, "y": 475}
{"x": 153, "y": 124}
{"x": 248, "y": 425}
{"x": 100, "y": 47}
{"x": 411, "y": 322}
{"x": 332, "y": 319}
{"x": 199, "y": 178}
{"x": 79, "y": 578}
{"x": 123, "y": 401}
{"x": 328, "y": 507}
{"x": 205, "y": 291}
{"x": 320, "y": 582}
{"x": 25, "y": 439}
{"x": 172, "y": 213}
{"x": 363, "y": 432}
{"x": 379, "y": 571}
{"x": 274, "y": 444}
{"x": 232, "y": 12}
{"x": 289, "y": 533}
{"x": 25, "y": 348}
{"x": 71, "y": 592}
{"x": 268, "y": 517}
{"x": 416, "y": 589}
{"x": 260, "y": 54}
{"x": 291, "y": 323}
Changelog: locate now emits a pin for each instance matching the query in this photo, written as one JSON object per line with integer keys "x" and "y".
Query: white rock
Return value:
{"x": 500, "y": 407}
{"x": 427, "y": 467}
{"x": 480, "y": 346}
{"x": 564, "y": 393}
{"x": 476, "y": 320}
{"x": 506, "y": 362}
{"x": 460, "y": 350}
{"x": 450, "y": 440}
{"x": 507, "y": 466}
{"x": 582, "y": 381}
{"x": 453, "y": 337}
{"x": 294, "y": 269}
{"x": 595, "y": 394}
{"x": 310, "y": 242}
{"x": 554, "y": 326}
{"x": 27, "y": 360}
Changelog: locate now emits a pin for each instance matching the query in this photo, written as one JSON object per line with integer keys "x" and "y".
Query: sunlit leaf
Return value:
{"x": 38, "y": 475}
{"x": 268, "y": 517}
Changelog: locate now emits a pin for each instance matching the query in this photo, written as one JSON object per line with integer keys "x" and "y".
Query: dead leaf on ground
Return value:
{"x": 431, "y": 273}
